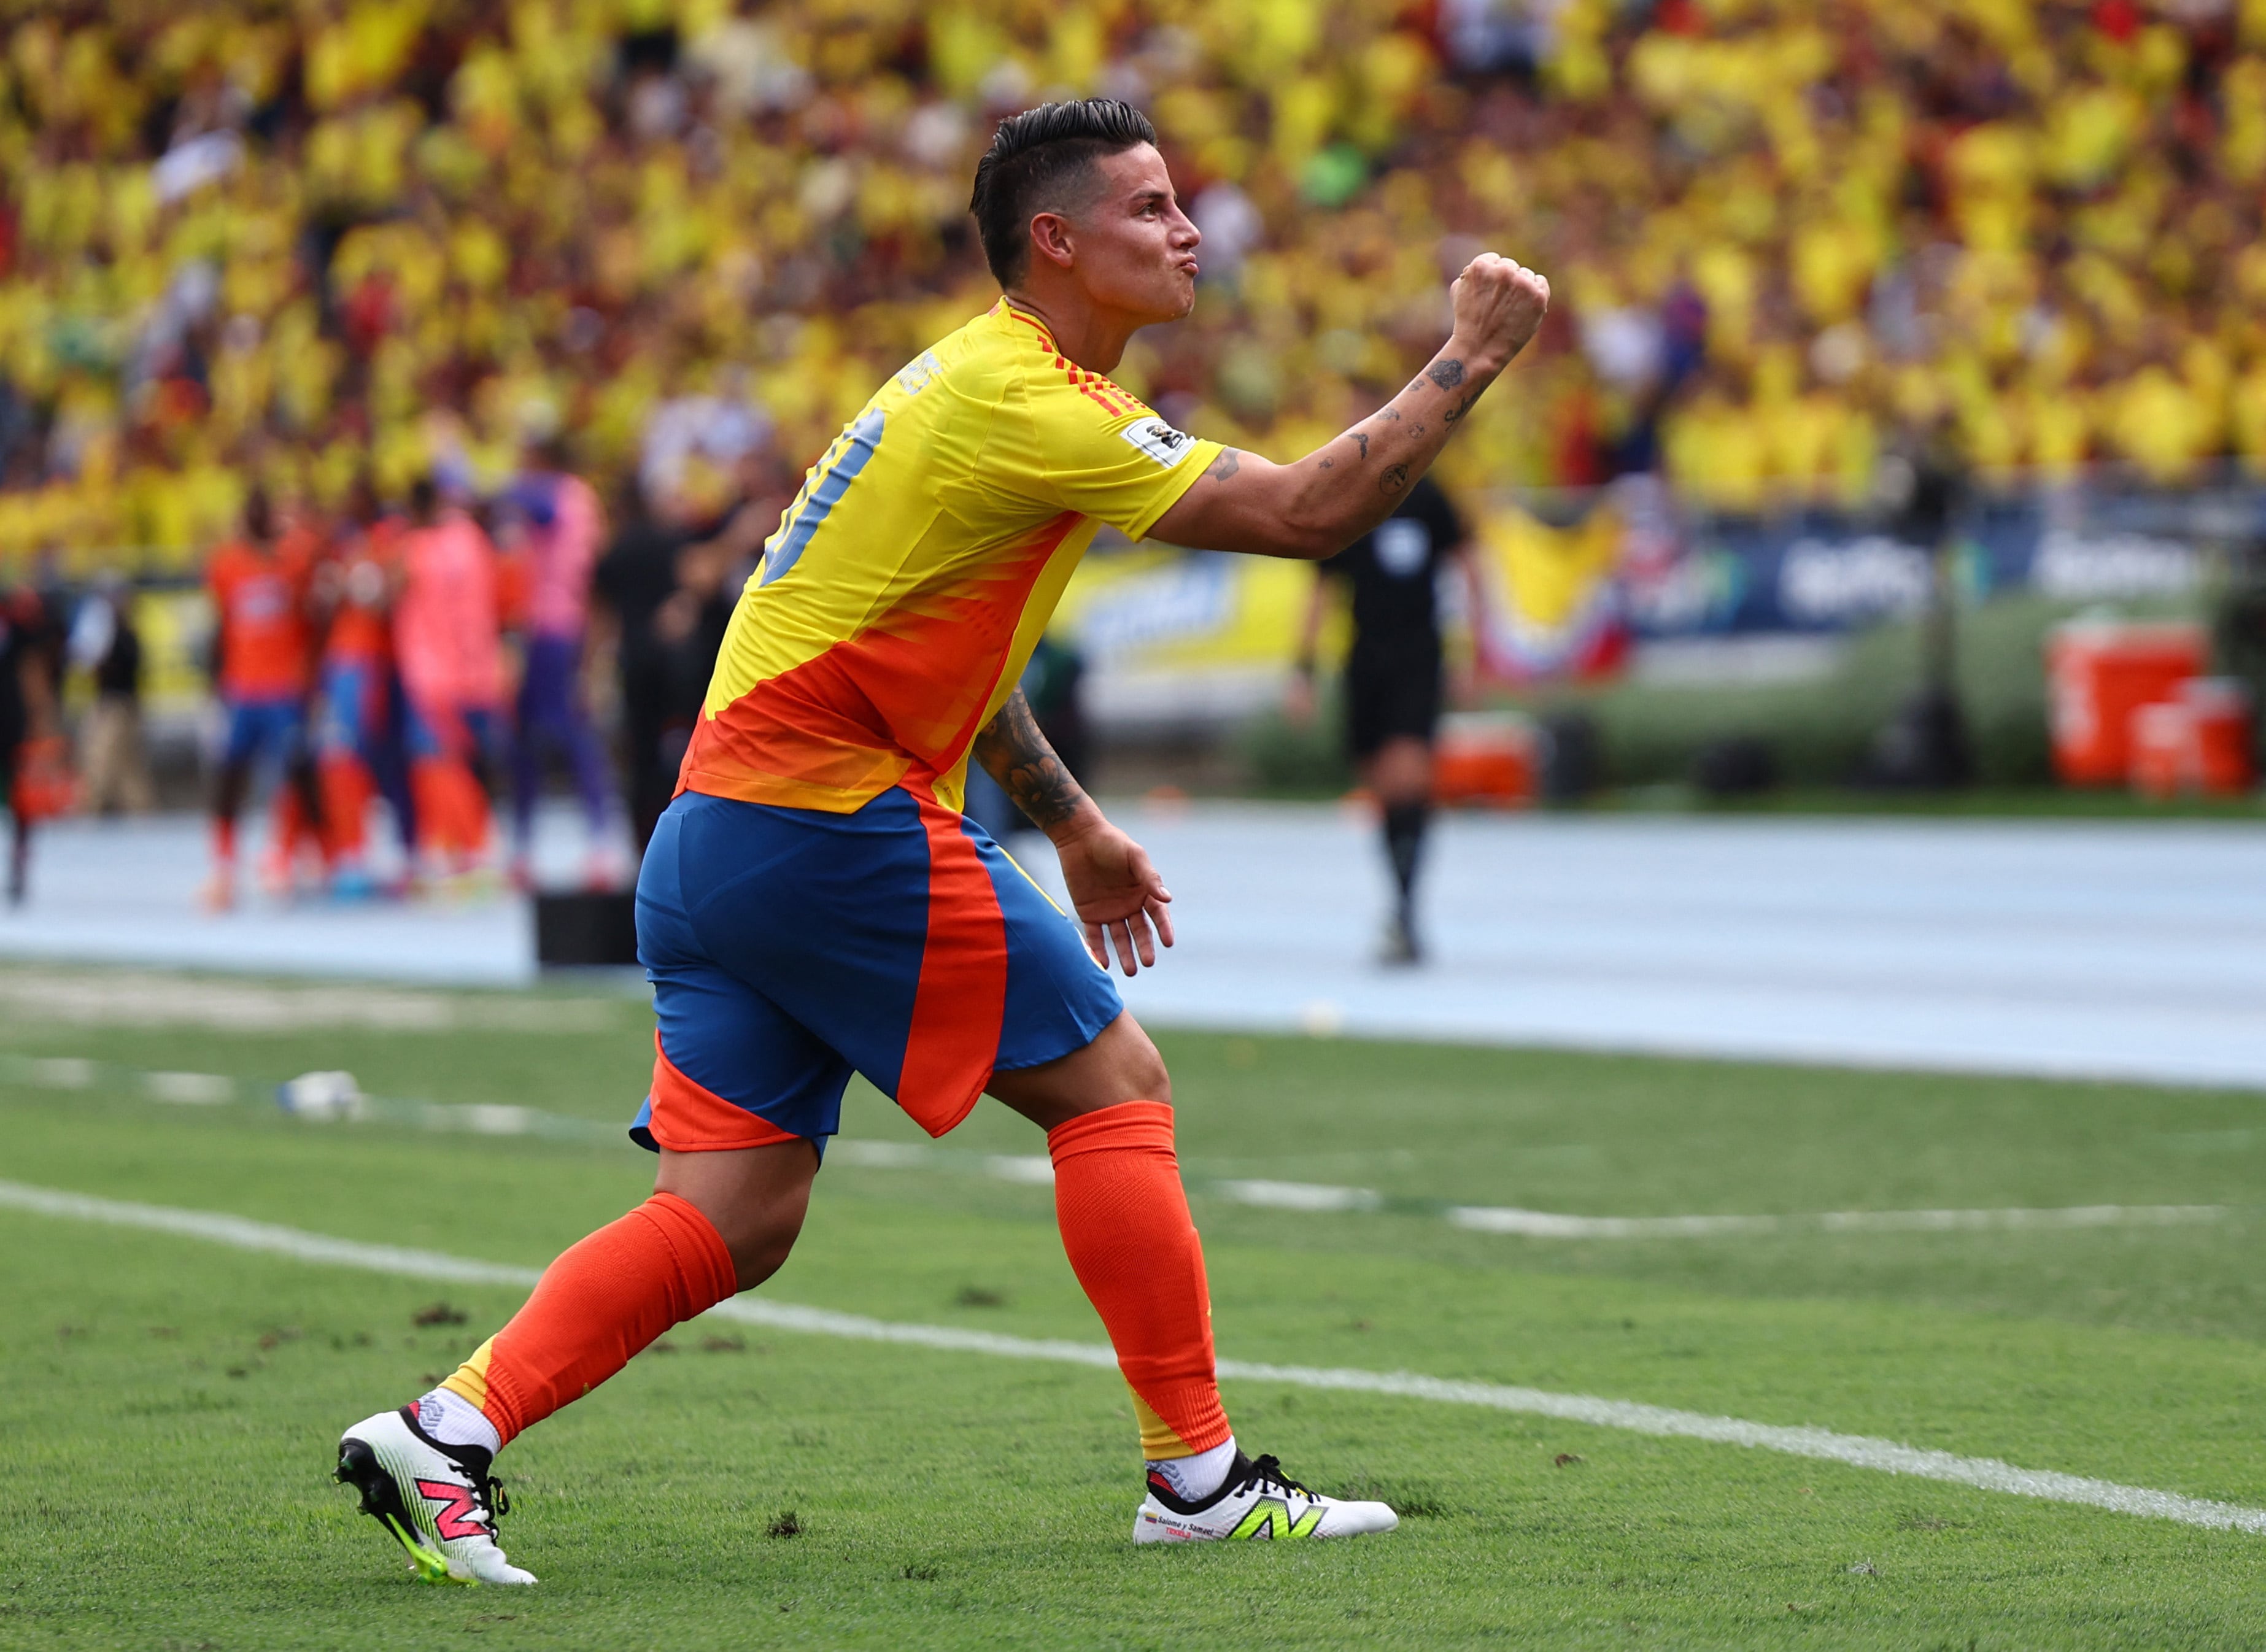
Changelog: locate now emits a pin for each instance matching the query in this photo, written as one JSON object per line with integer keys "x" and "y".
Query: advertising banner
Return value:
{"x": 1568, "y": 589}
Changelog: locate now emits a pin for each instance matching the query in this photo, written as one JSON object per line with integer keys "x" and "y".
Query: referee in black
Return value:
{"x": 1394, "y": 675}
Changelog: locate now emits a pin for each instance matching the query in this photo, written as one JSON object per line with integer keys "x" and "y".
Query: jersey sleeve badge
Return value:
{"x": 1159, "y": 441}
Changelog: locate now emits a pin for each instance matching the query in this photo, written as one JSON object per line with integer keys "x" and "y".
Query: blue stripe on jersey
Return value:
{"x": 863, "y": 438}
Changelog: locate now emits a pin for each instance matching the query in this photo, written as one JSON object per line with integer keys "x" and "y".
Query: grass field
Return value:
{"x": 171, "y": 1403}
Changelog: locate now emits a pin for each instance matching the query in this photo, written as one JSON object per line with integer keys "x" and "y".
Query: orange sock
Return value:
{"x": 1125, "y": 1224}
{"x": 600, "y": 1302}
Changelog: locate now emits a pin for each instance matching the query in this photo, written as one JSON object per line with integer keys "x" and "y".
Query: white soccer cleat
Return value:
{"x": 1257, "y": 1501}
{"x": 440, "y": 1502}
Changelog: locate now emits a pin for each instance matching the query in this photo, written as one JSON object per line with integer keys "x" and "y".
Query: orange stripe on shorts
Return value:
{"x": 962, "y": 995}
{"x": 690, "y": 1118}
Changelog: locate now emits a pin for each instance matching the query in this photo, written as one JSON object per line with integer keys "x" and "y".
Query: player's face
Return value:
{"x": 1136, "y": 248}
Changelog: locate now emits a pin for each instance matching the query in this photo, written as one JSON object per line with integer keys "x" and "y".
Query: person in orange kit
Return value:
{"x": 259, "y": 583}
{"x": 448, "y": 641}
{"x": 814, "y": 901}
{"x": 359, "y": 731}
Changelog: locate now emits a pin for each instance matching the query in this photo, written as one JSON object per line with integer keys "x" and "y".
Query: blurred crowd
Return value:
{"x": 319, "y": 251}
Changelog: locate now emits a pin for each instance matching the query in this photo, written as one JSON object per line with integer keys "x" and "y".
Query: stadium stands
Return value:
{"x": 250, "y": 242}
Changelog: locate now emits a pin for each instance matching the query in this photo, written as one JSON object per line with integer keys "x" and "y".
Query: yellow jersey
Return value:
{"x": 900, "y": 599}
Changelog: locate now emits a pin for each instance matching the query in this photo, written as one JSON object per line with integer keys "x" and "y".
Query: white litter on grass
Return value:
{"x": 1888, "y": 1457}
{"x": 323, "y": 1097}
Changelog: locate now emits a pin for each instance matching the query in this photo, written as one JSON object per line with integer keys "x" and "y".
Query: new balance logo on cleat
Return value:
{"x": 1271, "y": 1518}
{"x": 1257, "y": 1502}
{"x": 460, "y": 1516}
{"x": 439, "y": 1502}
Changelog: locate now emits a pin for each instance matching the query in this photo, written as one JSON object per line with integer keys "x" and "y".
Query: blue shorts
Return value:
{"x": 468, "y": 732}
{"x": 273, "y": 726}
{"x": 788, "y": 947}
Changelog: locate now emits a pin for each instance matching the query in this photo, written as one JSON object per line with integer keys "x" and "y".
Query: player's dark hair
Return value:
{"x": 1042, "y": 161}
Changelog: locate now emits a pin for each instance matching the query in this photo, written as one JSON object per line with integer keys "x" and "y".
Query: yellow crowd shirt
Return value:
{"x": 901, "y": 597}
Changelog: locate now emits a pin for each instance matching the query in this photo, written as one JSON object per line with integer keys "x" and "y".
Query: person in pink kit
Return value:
{"x": 564, "y": 527}
{"x": 448, "y": 650}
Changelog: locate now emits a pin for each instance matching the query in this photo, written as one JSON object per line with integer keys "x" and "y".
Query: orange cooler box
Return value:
{"x": 2198, "y": 741}
{"x": 2101, "y": 672}
{"x": 1486, "y": 757}
{"x": 2225, "y": 745}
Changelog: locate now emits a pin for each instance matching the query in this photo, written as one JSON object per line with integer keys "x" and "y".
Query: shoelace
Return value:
{"x": 1267, "y": 1471}
{"x": 487, "y": 1494}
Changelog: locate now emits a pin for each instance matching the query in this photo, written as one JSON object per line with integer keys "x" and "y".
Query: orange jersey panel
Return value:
{"x": 445, "y": 624}
{"x": 260, "y": 601}
{"x": 900, "y": 599}
{"x": 367, "y": 566}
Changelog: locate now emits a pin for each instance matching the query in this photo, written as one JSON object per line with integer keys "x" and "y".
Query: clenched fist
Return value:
{"x": 1498, "y": 305}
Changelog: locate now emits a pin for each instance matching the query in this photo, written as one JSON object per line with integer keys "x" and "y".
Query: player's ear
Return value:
{"x": 1050, "y": 238}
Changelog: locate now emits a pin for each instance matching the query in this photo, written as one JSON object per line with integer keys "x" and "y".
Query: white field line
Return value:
{"x": 1548, "y": 1224}
{"x": 140, "y": 997}
{"x": 1888, "y": 1457}
{"x": 1035, "y": 1170}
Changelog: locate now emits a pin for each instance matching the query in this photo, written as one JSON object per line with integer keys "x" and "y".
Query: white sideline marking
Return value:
{"x": 140, "y": 997}
{"x": 1549, "y": 1225}
{"x": 191, "y": 1089}
{"x": 1036, "y": 1170}
{"x": 1296, "y": 1195}
{"x": 1888, "y": 1457}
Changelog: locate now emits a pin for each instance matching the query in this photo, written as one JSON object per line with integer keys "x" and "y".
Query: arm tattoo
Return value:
{"x": 1395, "y": 479}
{"x": 1225, "y": 465}
{"x": 1454, "y": 415}
{"x": 1446, "y": 375}
{"x": 1394, "y": 414}
{"x": 1360, "y": 437}
{"x": 1329, "y": 464}
{"x": 1016, "y": 754}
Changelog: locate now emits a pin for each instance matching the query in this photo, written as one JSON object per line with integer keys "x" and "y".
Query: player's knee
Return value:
{"x": 759, "y": 1239}
{"x": 1133, "y": 1069}
{"x": 757, "y": 1256}
{"x": 1146, "y": 1077}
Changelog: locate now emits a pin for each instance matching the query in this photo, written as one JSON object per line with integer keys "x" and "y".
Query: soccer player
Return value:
{"x": 359, "y": 737}
{"x": 1392, "y": 676}
{"x": 565, "y": 524}
{"x": 27, "y": 714}
{"x": 258, "y": 584}
{"x": 447, "y": 640}
{"x": 813, "y": 901}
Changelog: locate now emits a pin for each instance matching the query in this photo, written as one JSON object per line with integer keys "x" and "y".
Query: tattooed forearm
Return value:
{"x": 1447, "y": 374}
{"x": 1225, "y": 465}
{"x": 1013, "y": 752}
{"x": 1395, "y": 479}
